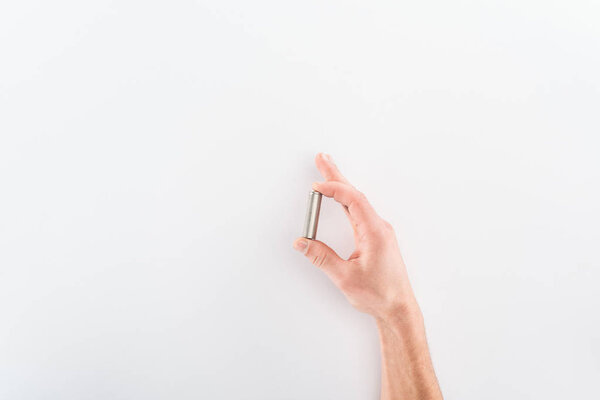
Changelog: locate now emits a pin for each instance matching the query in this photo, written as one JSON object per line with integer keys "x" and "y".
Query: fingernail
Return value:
{"x": 327, "y": 158}
{"x": 301, "y": 245}
{"x": 315, "y": 185}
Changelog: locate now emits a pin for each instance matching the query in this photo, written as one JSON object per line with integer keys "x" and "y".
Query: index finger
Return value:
{"x": 328, "y": 169}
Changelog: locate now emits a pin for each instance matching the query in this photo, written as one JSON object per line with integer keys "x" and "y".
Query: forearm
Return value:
{"x": 407, "y": 370}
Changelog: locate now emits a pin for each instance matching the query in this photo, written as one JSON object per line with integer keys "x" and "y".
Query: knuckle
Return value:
{"x": 314, "y": 258}
{"x": 361, "y": 196}
{"x": 379, "y": 231}
{"x": 358, "y": 198}
{"x": 382, "y": 231}
{"x": 387, "y": 226}
{"x": 318, "y": 259}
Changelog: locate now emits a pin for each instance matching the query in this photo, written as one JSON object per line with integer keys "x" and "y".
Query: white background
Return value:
{"x": 155, "y": 161}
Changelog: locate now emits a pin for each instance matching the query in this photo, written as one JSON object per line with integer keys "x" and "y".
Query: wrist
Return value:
{"x": 401, "y": 317}
{"x": 405, "y": 309}
{"x": 405, "y": 330}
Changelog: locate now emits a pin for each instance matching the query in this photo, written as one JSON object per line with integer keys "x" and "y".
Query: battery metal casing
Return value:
{"x": 312, "y": 215}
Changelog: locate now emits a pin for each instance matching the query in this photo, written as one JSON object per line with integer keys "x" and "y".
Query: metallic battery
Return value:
{"x": 312, "y": 215}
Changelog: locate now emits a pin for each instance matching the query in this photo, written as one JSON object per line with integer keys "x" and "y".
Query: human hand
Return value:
{"x": 374, "y": 277}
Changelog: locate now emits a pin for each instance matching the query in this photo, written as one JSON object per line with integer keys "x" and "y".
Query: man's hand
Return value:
{"x": 375, "y": 281}
{"x": 374, "y": 277}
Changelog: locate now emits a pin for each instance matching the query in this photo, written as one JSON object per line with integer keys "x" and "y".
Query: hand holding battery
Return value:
{"x": 374, "y": 277}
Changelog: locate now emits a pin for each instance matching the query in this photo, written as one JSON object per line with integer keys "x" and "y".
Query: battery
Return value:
{"x": 312, "y": 215}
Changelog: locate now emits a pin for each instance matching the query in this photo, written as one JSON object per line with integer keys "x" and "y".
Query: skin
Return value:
{"x": 375, "y": 281}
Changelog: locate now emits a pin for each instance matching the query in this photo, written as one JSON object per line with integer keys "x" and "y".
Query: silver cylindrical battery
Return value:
{"x": 312, "y": 215}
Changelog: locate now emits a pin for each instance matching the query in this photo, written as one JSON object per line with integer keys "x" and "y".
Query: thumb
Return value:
{"x": 319, "y": 254}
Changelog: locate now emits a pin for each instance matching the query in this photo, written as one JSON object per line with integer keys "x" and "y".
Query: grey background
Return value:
{"x": 155, "y": 159}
